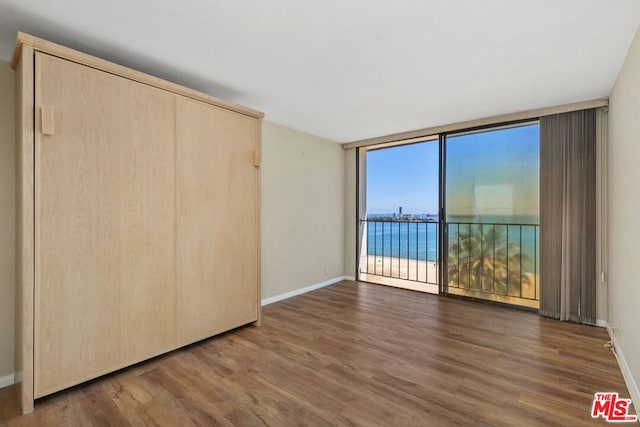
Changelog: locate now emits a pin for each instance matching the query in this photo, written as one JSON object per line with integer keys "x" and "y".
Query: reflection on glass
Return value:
{"x": 492, "y": 176}
{"x": 492, "y": 214}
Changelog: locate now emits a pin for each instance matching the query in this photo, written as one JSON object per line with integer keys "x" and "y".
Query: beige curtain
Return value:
{"x": 568, "y": 216}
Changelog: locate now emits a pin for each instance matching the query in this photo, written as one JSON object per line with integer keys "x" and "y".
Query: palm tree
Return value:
{"x": 481, "y": 260}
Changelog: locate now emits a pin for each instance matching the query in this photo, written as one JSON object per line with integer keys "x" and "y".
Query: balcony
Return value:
{"x": 492, "y": 261}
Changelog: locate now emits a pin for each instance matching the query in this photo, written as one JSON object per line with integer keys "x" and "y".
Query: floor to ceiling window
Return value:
{"x": 491, "y": 216}
{"x": 457, "y": 214}
{"x": 401, "y": 231}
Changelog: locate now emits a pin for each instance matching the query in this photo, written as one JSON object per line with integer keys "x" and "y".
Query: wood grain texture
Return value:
{"x": 40, "y": 45}
{"x": 216, "y": 243}
{"x": 363, "y": 355}
{"x": 24, "y": 229}
{"x": 105, "y": 220}
{"x": 47, "y": 121}
{"x": 97, "y": 216}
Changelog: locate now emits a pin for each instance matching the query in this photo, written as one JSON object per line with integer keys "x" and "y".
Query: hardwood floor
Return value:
{"x": 357, "y": 354}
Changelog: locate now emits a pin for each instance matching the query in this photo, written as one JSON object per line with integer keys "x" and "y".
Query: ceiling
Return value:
{"x": 353, "y": 69}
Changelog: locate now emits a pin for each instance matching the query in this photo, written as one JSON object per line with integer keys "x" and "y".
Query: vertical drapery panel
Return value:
{"x": 568, "y": 216}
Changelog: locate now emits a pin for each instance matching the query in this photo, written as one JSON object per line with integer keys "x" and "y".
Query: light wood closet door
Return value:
{"x": 105, "y": 224}
{"x": 217, "y": 220}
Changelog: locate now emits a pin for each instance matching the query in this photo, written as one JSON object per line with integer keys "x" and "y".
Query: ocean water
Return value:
{"x": 413, "y": 240}
{"x": 420, "y": 240}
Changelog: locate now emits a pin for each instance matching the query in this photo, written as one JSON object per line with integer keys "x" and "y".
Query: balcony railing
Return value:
{"x": 401, "y": 249}
{"x": 492, "y": 261}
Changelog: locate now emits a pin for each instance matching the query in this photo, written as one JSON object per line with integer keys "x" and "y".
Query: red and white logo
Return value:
{"x": 612, "y": 408}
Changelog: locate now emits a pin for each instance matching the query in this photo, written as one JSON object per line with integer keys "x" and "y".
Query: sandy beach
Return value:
{"x": 400, "y": 272}
{"x": 414, "y": 274}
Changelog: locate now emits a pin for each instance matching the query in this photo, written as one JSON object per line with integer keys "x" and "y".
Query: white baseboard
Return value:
{"x": 634, "y": 391}
{"x": 601, "y": 323}
{"x": 7, "y": 380}
{"x": 301, "y": 291}
{"x": 349, "y": 278}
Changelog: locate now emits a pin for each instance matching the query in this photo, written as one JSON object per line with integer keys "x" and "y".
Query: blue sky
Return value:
{"x": 488, "y": 173}
{"x": 404, "y": 176}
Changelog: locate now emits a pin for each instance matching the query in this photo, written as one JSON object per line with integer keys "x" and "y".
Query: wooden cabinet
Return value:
{"x": 138, "y": 217}
{"x": 105, "y": 224}
{"x": 215, "y": 179}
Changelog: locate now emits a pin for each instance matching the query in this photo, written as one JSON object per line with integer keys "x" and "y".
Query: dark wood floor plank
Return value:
{"x": 355, "y": 354}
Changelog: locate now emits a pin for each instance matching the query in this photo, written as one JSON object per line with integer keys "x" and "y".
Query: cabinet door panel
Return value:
{"x": 217, "y": 244}
{"x": 105, "y": 224}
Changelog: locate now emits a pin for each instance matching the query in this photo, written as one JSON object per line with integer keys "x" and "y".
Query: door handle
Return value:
{"x": 47, "y": 120}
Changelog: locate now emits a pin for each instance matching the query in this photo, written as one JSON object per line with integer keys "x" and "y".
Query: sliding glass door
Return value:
{"x": 491, "y": 220}
{"x": 456, "y": 214}
{"x": 400, "y": 224}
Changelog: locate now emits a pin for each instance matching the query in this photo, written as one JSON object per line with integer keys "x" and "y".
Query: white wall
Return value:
{"x": 602, "y": 239}
{"x": 624, "y": 214}
{"x": 350, "y": 213}
{"x": 303, "y": 205}
{"x": 7, "y": 222}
